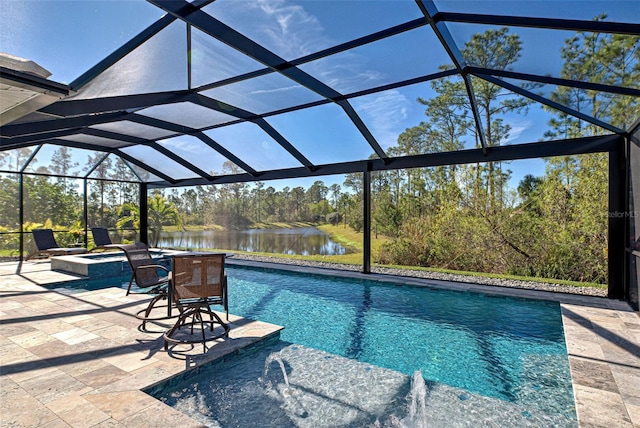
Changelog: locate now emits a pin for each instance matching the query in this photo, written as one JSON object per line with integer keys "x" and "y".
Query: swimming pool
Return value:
{"x": 470, "y": 348}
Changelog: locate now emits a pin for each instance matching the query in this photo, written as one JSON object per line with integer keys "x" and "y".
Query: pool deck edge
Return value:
{"x": 79, "y": 360}
{"x": 603, "y": 346}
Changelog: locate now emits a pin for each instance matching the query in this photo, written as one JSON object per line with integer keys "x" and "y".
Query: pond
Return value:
{"x": 307, "y": 241}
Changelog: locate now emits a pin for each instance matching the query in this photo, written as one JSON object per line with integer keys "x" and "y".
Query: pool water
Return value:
{"x": 81, "y": 285}
{"x": 487, "y": 359}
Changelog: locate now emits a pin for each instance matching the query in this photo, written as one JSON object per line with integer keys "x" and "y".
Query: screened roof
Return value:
{"x": 216, "y": 91}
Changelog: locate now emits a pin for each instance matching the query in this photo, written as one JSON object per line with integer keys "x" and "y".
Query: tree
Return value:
{"x": 573, "y": 192}
{"x": 529, "y": 191}
{"x": 257, "y": 199}
{"x": 161, "y": 212}
{"x": 317, "y": 192}
{"x": 598, "y": 58}
{"x": 387, "y": 216}
{"x": 62, "y": 163}
{"x": 335, "y": 195}
{"x": 297, "y": 204}
{"x": 449, "y": 110}
{"x": 98, "y": 188}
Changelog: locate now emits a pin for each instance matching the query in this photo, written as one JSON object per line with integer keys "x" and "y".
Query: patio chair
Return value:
{"x": 199, "y": 281}
{"x": 47, "y": 245}
{"x": 150, "y": 278}
{"x": 102, "y": 240}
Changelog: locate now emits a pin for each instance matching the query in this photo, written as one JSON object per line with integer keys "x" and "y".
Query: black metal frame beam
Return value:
{"x": 31, "y": 81}
{"x": 616, "y": 228}
{"x": 532, "y": 22}
{"x": 429, "y": 10}
{"x": 551, "y": 104}
{"x": 270, "y": 130}
{"x": 35, "y": 128}
{"x": 220, "y": 31}
{"x": 144, "y": 166}
{"x": 144, "y": 217}
{"x": 184, "y": 130}
{"x": 152, "y": 144}
{"x": 392, "y": 31}
{"x": 590, "y": 86}
{"x": 366, "y": 216}
{"x": 97, "y": 164}
{"x": 220, "y": 106}
{"x": 41, "y": 174}
{"x": 563, "y": 147}
{"x": 224, "y": 152}
{"x": 66, "y": 143}
{"x": 33, "y": 132}
{"x": 86, "y": 146}
{"x": 31, "y": 157}
{"x": 77, "y": 107}
{"x": 348, "y": 109}
{"x": 29, "y": 140}
{"x": 176, "y": 128}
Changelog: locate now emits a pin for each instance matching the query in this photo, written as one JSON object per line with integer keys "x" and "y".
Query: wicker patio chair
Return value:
{"x": 199, "y": 281}
{"x": 149, "y": 278}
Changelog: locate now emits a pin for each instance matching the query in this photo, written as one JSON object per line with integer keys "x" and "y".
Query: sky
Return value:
{"x": 69, "y": 37}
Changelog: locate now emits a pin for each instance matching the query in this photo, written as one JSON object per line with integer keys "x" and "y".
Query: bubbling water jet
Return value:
{"x": 267, "y": 364}
{"x": 417, "y": 417}
{"x": 287, "y": 393}
{"x": 417, "y": 408}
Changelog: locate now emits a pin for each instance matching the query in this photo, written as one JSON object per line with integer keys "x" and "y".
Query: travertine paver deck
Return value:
{"x": 604, "y": 354}
{"x": 79, "y": 360}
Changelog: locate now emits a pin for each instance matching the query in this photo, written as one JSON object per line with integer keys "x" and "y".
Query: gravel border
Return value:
{"x": 512, "y": 283}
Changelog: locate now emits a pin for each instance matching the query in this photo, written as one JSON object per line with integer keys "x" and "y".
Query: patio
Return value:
{"x": 79, "y": 360}
{"x": 221, "y": 93}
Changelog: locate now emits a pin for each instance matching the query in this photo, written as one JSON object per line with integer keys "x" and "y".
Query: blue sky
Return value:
{"x": 68, "y": 37}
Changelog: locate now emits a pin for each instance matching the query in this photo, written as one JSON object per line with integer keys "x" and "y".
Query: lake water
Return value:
{"x": 300, "y": 240}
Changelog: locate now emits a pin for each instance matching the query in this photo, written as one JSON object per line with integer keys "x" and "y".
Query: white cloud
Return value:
{"x": 518, "y": 127}
{"x": 275, "y": 90}
{"x": 183, "y": 144}
{"x": 290, "y": 31}
{"x": 384, "y": 113}
{"x": 285, "y": 28}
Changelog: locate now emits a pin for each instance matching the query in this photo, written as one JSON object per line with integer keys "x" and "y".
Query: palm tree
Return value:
{"x": 160, "y": 212}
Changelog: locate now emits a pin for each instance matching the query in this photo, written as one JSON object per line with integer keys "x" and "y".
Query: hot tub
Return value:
{"x": 104, "y": 265}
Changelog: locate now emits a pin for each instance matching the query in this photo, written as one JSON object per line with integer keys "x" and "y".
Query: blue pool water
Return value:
{"x": 481, "y": 343}
{"x": 484, "y": 357}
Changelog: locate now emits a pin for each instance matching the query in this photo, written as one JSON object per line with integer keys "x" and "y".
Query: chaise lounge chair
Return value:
{"x": 102, "y": 240}
{"x": 47, "y": 245}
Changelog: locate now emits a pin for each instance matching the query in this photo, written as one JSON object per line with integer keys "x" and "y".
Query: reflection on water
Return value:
{"x": 300, "y": 240}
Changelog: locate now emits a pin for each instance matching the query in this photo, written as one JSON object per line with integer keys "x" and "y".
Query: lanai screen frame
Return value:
{"x": 77, "y": 116}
